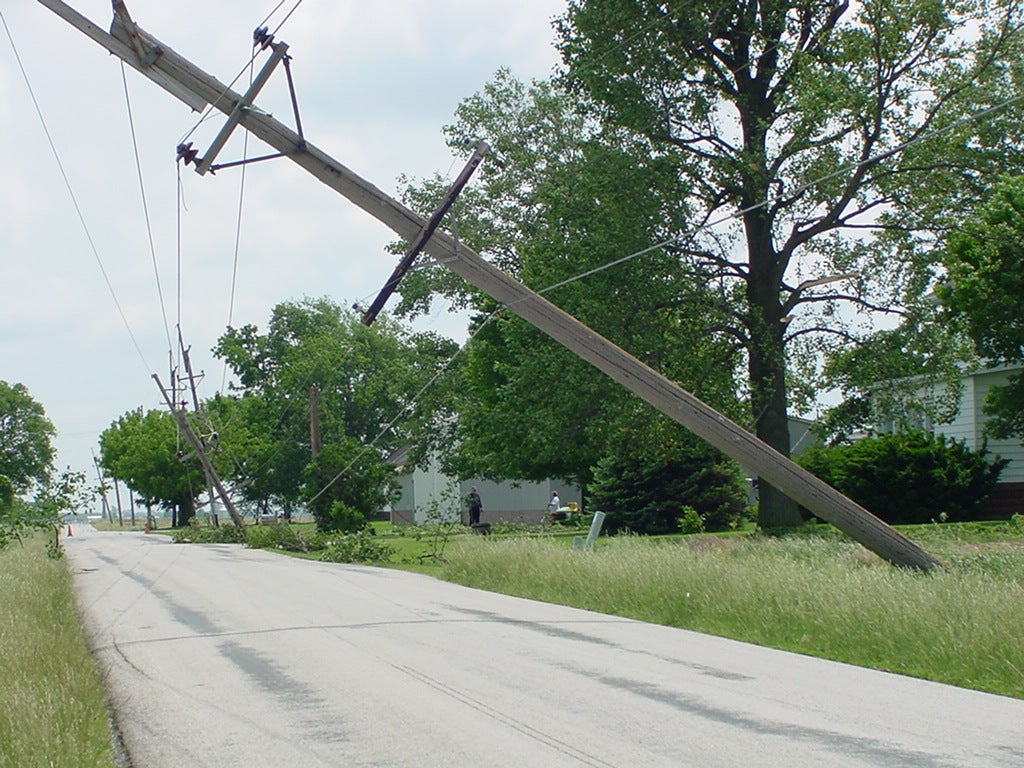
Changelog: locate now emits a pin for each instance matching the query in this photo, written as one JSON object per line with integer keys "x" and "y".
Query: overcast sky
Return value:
{"x": 376, "y": 82}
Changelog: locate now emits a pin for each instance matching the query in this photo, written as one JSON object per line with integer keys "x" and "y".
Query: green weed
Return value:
{"x": 825, "y": 597}
{"x": 52, "y": 704}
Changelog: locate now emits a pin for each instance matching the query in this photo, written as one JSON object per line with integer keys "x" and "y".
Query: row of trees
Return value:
{"x": 783, "y": 172}
{"x": 373, "y": 398}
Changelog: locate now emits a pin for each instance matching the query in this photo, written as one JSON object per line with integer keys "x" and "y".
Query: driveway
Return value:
{"x": 223, "y": 656}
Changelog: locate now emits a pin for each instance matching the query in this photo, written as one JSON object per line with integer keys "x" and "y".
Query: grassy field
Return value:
{"x": 821, "y": 595}
{"x": 52, "y": 701}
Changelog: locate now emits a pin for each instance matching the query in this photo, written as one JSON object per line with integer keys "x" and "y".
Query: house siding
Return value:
{"x": 969, "y": 426}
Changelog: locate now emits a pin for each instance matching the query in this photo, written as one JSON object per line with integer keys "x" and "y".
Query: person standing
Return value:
{"x": 475, "y": 506}
{"x": 555, "y": 504}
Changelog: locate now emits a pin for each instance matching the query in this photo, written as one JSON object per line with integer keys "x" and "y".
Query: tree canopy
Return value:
{"x": 983, "y": 293}
{"x": 529, "y": 409}
{"x": 370, "y": 387}
{"x": 145, "y": 451}
{"x": 26, "y": 438}
{"x": 786, "y": 122}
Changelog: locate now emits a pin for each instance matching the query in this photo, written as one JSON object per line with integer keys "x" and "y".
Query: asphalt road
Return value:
{"x": 223, "y": 656}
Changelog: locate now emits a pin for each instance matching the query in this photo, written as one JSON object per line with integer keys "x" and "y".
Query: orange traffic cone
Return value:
{"x": 69, "y": 531}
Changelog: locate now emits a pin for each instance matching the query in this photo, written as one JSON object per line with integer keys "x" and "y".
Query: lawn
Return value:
{"x": 821, "y": 595}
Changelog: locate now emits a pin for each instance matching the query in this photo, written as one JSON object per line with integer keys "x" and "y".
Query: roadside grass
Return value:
{"x": 52, "y": 701}
{"x": 820, "y": 595}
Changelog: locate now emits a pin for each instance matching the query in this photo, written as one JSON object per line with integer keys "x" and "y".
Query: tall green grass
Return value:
{"x": 823, "y": 597}
{"x": 52, "y": 702}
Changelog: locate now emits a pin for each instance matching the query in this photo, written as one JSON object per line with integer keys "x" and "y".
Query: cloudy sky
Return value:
{"x": 376, "y": 82}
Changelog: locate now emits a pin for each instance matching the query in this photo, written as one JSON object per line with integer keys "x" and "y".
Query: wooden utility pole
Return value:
{"x": 103, "y": 490}
{"x": 315, "y": 438}
{"x": 207, "y": 470}
{"x": 117, "y": 497}
{"x": 196, "y": 88}
{"x": 200, "y": 450}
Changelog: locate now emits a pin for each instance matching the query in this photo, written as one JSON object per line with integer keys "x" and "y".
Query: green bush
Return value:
{"x": 285, "y": 537}
{"x": 361, "y": 547}
{"x": 199, "y": 533}
{"x": 346, "y": 484}
{"x": 909, "y": 477}
{"x": 690, "y": 521}
{"x": 648, "y": 495}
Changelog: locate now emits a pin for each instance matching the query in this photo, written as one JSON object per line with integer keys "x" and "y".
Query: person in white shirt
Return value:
{"x": 555, "y": 504}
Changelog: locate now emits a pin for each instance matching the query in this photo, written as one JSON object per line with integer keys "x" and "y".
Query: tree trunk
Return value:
{"x": 186, "y": 510}
{"x": 767, "y": 365}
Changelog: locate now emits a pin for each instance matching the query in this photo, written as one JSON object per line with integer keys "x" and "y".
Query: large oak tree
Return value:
{"x": 816, "y": 139}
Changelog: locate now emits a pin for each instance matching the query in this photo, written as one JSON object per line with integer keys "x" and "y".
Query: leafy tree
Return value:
{"x": 6, "y": 494}
{"x": 253, "y": 450}
{"x": 26, "y": 435}
{"x": 366, "y": 378}
{"x": 63, "y": 493}
{"x": 554, "y": 200}
{"x": 145, "y": 451}
{"x": 346, "y": 484}
{"x": 784, "y": 122}
{"x": 648, "y": 493}
{"x": 909, "y": 477}
{"x": 983, "y": 291}
{"x": 907, "y": 376}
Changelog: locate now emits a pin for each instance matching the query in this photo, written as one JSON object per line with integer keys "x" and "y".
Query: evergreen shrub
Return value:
{"x": 909, "y": 477}
{"x": 650, "y": 494}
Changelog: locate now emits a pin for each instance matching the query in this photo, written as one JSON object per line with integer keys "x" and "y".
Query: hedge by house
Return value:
{"x": 909, "y": 477}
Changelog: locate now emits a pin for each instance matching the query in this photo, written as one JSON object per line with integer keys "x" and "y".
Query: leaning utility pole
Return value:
{"x": 103, "y": 490}
{"x": 196, "y": 444}
{"x": 197, "y": 89}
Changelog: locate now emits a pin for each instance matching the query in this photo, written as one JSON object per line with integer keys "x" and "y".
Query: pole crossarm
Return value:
{"x": 280, "y": 50}
{"x": 425, "y": 234}
{"x": 656, "y": 389}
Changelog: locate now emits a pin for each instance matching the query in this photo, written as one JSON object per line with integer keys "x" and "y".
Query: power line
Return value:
{"x": 145, "y": 206}
{"x": 71, "y": 193}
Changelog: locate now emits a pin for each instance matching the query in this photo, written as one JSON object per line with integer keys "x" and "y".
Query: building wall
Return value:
{"x": 969, "y": 426}
{"x": 1010, "y": 448}
{"x": 524, "y": 502}
{"x": 424, "y": 491}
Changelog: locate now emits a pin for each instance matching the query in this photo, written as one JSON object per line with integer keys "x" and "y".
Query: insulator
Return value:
{"x": 186, "y": 153}
{"x": 261, "y": 37}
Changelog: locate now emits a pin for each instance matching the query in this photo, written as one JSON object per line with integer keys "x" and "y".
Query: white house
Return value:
{"x": 426, "y": 491}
